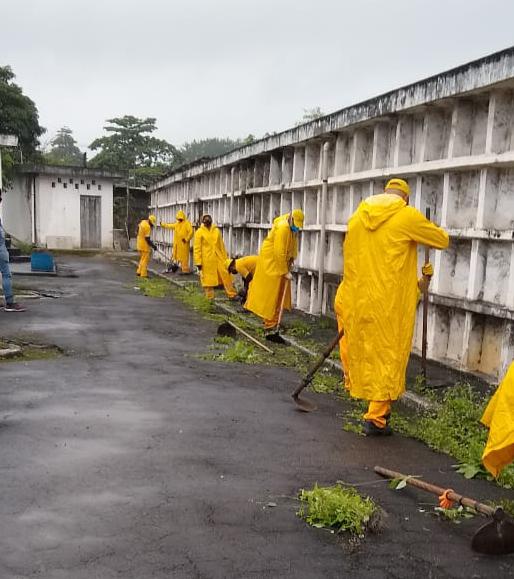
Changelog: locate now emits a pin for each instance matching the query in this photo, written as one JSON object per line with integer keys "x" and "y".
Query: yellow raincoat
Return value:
{"x": 277, "y": 251}
{"x": 144, "y": 230}
{"x": 182, "y": 235}
{"x": 377, "y": 298}
{"x": 210, "y": 253}
{"x": 499, "y": 418}
{"x": 246, "y": 265}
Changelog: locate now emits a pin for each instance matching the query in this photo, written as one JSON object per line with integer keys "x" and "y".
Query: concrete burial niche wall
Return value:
{"x": 451, "y": 136}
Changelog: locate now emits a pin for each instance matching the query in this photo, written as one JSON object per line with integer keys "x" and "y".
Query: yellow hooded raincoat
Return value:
{"x": 499, "y": 418}
{"x": 182, "y": 235}
{"x": 210, "y": 254}
{"x": 277, "y": 250}
{"x": 378, "y": 295}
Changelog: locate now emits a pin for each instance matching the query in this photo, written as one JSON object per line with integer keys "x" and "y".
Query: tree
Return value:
{"x": 310, "y": 115}
{"x": 18, "y": 116}
{"x": 131, "y": 147}
{"x": 64, "y": 150}
{"x": 212, "y": 147}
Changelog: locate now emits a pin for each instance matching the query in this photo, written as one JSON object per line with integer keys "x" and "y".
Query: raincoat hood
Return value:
{"x": 377, "y": 209}
{"x": 181, "y": 215}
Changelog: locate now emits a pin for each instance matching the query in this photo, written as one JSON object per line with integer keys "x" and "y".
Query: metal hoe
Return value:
{"x": 494, "y": 538}
{"x": 172, "y": 266}
{"x": 229, "y": 329}
{"x": 306, "y": 405}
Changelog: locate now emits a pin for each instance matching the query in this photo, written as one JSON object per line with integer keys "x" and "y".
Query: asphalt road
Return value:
{"x": 130, "y": 457}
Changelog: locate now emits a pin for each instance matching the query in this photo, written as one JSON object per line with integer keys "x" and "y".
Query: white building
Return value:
{"x": 60, "y": 207}
{"x": 451, "y": 136}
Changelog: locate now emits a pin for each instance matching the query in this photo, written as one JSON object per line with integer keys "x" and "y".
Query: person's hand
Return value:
{"x": 184, "y": 241}
{"x": 428, "y": 270}
{"x": 289, "y": 276}
{"x": 199, "y": 267}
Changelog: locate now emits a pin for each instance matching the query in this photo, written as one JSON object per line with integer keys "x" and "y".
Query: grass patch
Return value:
{"x": 338, "y": 508}
{"x": 454, "y": 428}
{"x": 298, "y": 328}
{"x": 30, "y": 351}
{"x": 154, "y": 287}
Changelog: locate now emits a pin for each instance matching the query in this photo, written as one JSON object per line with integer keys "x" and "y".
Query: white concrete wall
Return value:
{"x": 451, "y": 136}
{"x": 16, "y": 209}
{"x": 58, "y": 209}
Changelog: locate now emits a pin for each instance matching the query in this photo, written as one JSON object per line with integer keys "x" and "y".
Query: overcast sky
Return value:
{"x": 216, "y": 68}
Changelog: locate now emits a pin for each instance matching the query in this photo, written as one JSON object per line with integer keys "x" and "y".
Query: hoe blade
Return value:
{"x": 225, "y": 329}
{"x": 495, "y": 537}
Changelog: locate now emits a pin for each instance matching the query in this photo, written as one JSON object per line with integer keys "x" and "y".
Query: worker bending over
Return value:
{"x": 210, "y": 256}
{"x": 145, "y": 244}
{"x": 271, "y": 285}
{"x": 182, "y": 235}
{"x": 245, "y": 267}
{"x": 376, "y": 301}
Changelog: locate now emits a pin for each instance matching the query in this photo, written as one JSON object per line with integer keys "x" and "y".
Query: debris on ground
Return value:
{"x": 340, "y": 509}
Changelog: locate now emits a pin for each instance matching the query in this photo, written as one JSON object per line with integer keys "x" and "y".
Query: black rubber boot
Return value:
{"x": 371, "y": 429}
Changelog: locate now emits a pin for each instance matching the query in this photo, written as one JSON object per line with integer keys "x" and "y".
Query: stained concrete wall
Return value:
{"x": 451, "y": 136}
{"x": 54, "y": 193}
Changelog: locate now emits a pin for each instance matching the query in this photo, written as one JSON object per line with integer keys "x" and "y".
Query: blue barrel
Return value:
{"x": 42, "y": 261}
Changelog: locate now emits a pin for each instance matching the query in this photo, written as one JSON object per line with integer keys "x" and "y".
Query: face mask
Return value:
{"x": 295, "y": 229}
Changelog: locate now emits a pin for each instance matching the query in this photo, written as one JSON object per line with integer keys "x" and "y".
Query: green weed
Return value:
{"x": 455, "y": 429}
{"x": 338, "y": 508}
{"x": 325, "y": 382}
{"x": 239, "y": 352}
{"x": 298, "y": 328}
{"x": 154, "y": 287}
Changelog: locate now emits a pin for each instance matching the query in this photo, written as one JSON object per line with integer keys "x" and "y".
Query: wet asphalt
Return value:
{"x": 130, "y": 457}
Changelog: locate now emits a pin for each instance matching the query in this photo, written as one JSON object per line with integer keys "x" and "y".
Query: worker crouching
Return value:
{"x": 209, "y": 257}
{"x": 376, "y": 301}
{"x": 271, "y": 286}
{"x": 145, "y": 244}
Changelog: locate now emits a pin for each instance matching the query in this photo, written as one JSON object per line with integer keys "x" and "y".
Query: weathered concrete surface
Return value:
{"x": 130, "y": 458}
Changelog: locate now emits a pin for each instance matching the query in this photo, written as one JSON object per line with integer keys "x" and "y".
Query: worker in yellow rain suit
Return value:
{"x": 182, "y": 235}
{"x": 209, "y": 257}
{"x": 423, "y": 284}
{"x": 499, "y": 418}
{"x": 145, "y": 244}
{"x": 376, "y": 301}
{"x": 272, "y": 275}
{"x": 245, "y": 267}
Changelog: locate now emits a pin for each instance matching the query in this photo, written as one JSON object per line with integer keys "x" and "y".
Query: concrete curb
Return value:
{"x": 409, "y": 399}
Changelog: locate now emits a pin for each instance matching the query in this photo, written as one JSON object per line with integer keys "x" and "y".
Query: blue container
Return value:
{"x": 42, "y": 261}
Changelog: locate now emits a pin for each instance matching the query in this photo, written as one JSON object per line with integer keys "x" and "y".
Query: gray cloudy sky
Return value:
{"x": 231, "y": 67}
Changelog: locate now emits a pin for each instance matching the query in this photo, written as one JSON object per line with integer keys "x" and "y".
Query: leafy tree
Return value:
{"x": 64, "y": 149}
{"x": 18, "y": 116}
{"x": 131, "y": 147}
{"x": 310, "y": 115}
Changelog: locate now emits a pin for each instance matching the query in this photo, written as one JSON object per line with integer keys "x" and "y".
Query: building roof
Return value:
{"x": 69, "y": 171}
